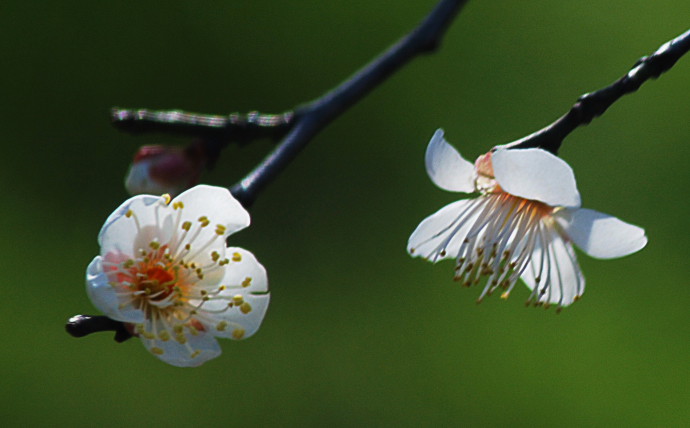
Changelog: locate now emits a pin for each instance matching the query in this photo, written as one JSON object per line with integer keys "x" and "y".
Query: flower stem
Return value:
{"x": 83, "y": 325}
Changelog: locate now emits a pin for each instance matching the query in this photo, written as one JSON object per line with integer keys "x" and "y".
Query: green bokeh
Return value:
{"x": 358, "y": 333}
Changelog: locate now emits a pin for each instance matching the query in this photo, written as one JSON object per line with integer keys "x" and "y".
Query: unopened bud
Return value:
{"x": 156, "y": 170}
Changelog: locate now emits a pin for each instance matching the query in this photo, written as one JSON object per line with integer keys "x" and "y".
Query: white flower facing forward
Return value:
{"x": 165, "y": 271}
{"x": 522, "y": 224}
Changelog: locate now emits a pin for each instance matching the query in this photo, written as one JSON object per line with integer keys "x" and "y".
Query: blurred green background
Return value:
{"x": 358, "y": 333}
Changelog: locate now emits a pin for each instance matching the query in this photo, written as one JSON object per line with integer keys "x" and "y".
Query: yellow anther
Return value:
{"x": 148, "y": 335}
{"x": 245, "y": 308}
{"x": 203, "y": 292}
{"x": 236, "y": 257}
{"x": 238, "y": 299}
{"x": 187, "y": 225}
{"x": 215, "y": 256}
{"x": 192, "y": 312}
{"x": 221, "y": 288}
{"x": 247, "y": 282}
{"x": 164, "y": 336}
{"x": 193, "y": 330}
{"x": 221, "y": 326}
{"x": 576, "y": 298}
{"x": 198, "y": 270}
{"x": 129, "y": 263}
{"x": 205, "y": 223}
{"x": 223, "y": 262}
{"x": 180, "y": 204}
{"x": 200, "y": 275}
{"x": 442, "y": 253}
{"x": 178, "y": 328}
{"x": 166, "y": 198}
{"x": 195, "y": 353}
{"x": 411, "y": 250}
{"x": 112, "y": 284}
{"x": 154, "y": 245}
{"x": 129, "y": 213}
{"x": 192, "y": 265}
{"x": 504, "y": 295}
{"x": 156, "y": 350}
{"x": 230, "y": 305}
{"x": 139, "y": 328}
{"x": 238, "y": 333}
{"x": 203, "y": 218}
{"x": 146, "y": 260}
{"x": 179, "y": 338}
{"x": 188, "y": 247}
{"x": 147, "y": 291}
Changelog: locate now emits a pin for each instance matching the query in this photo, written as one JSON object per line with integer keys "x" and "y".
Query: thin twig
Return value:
{"x": 314, "y": 116}
{"x": 235, "y": 127}
{"x": 296, "y": 128}
{"x": 594, "y": 104}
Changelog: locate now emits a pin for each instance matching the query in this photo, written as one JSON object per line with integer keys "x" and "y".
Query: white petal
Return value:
{"x": 561, "y": 272}
{"x": 119, "y": 232}
{"x": 601, "y": 235}
{"x": 215, "y": 203}
{"x": 440, "y": 235}
{"x": 103, "y": 296}
{"x": 255, "y": 295}
{"x": 447, "y": 169}
{"x": 536, "y": 174}
{"x": 180, "y": 355}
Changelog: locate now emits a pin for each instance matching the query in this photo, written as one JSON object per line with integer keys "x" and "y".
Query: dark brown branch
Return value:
{"x": 296, "y": 128}
{"x": 595, "y": 104}
{"x": 314, "y": 116}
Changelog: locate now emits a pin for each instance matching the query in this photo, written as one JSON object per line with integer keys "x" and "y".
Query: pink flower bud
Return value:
{"x": 156, "y": 170}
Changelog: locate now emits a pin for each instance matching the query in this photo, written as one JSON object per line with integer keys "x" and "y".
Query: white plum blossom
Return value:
{"x": 165, "y": 271}
{"x": 521, "y": 225}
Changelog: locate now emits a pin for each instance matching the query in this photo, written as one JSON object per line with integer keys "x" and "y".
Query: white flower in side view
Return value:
{"x": 165, "y": 271}
{"x": 522, "y": 224}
